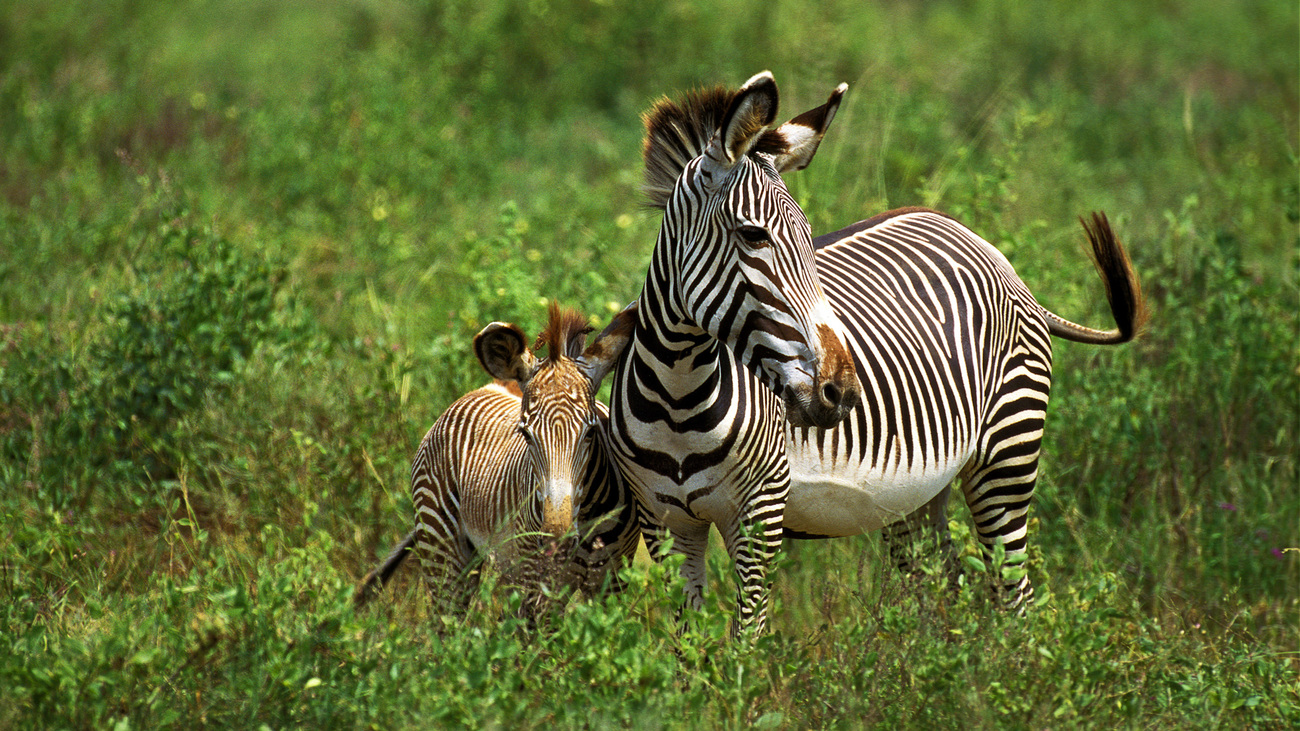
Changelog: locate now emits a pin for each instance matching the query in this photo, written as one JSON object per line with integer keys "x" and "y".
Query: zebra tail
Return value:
{"x": 1122, "y": 290}
{"x": 373, "y": 584}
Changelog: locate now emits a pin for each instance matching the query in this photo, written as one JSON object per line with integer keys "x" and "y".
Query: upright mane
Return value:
{"x": 565, "y": 334}
{"x": 679, "y": 131}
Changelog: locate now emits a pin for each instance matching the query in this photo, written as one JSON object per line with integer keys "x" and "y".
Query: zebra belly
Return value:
{"x": 828, "y": 499}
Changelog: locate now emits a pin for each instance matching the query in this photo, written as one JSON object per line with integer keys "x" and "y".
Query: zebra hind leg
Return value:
{"x": 921, "y": 535}
{"x": 998, "y": 493}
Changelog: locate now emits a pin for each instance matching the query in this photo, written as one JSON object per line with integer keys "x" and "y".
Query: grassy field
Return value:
{"x": 244, "y": 245}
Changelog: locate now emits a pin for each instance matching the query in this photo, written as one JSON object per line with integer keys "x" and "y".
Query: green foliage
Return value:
{"x": 502, "y": 277}
{"x": 246, "y": 246}
{"x": 1204, "y": 459}
{"x": 191, "y": 309}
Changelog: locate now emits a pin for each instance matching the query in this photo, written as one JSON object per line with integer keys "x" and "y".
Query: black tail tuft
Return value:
{"x": 1122, "y": 287}
{"x": 373, "y": 584}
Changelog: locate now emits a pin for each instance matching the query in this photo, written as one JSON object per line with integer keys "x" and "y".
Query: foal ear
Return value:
{"x": 800, "y": 136}
{"x": 501, "y": 350}
{"x": 601, "y": 356}
{"x": 748, "y": 114}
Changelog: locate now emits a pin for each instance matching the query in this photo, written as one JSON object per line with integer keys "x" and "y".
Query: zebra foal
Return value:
{"x": 515, "y": 465}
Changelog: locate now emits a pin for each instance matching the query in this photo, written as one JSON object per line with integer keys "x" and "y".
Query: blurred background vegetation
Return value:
{"x": 244, "y": 245}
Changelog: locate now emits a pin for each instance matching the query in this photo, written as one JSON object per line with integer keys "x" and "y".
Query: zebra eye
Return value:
{"x": 754, "y": 234}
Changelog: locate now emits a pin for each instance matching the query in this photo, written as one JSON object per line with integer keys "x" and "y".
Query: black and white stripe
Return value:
{"x": 518, "y": 464}
{"x": 955, "y": 359}
{"x": 733, "y": 334}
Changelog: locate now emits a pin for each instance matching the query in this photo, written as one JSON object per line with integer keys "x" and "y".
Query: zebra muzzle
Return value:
{"x": 834, "y": 392}
{"x": 557, "y": 515}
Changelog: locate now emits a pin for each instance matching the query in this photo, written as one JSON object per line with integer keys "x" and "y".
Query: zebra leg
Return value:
{"x": 690, "y": 543}
{"x": 693, "y": 544}
{"x": 596, "y": 564}
{"x": 445, "y": 552}
{"x": 653, "y": 532}
{"x": 998, "y": 492}
{"x": 447, "y": 573}
{"x": 607, "y": 544}
{"x": 753, "y": 542}
{"x": 536, "y": 575}
{"x": 921, "y": 533}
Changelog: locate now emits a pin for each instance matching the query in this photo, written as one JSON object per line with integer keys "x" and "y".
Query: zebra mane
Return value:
{"x": 679, "y": 131}
{"x": 565, "y": 334}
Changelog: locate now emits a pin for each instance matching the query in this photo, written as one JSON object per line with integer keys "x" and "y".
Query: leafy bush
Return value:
{"x": 1190, "y": 434}
{"x": 106, "y": 397}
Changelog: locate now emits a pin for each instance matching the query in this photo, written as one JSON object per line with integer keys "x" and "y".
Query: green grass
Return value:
{"x": 243, "y": 248}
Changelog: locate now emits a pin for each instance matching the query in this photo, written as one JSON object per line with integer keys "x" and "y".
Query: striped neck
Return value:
{"x": 667, "y": 335}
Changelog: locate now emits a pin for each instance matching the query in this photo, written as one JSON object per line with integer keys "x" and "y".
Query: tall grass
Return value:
{"x": 245, "y": 246}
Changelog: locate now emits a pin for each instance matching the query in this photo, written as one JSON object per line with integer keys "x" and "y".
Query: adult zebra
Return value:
{"x": 955, "y": 357}
{"x": 954, "y": 349}
{"x": 733, "y": 334}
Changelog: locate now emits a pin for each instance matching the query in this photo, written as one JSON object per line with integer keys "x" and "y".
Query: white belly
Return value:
{"x": 828, "y": 499}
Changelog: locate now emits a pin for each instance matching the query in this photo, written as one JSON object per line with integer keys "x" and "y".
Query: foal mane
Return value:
{"x": 565, "y": 334}
{"x": 679, "y": 131}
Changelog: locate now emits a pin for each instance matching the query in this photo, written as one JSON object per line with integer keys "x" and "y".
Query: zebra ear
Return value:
{"x": 750, "y": 111}
{"x": 577, "y": 339}
{"x": 501, "y": 350}
{"x": 798, "y": 139}
{"x": 601, "y": 356}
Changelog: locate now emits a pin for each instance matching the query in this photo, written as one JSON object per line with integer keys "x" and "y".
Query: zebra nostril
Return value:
{"x": 831, "y": 394}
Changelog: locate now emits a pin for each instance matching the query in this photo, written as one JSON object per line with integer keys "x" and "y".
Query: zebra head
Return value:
{"x": 734, "y": 257}
{"x": 560, "y": 420}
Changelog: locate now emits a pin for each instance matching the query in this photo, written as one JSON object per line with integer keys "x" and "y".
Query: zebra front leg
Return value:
{"x": 539, "y": 575}
{"x": 693, "y": 545}
{"x": 653, "y": 532}
{"x": 451, "y": 565}
{"x": 753, "y": 542}
{"x": 690, "y": 543}
{"x": 607, "y": 545}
